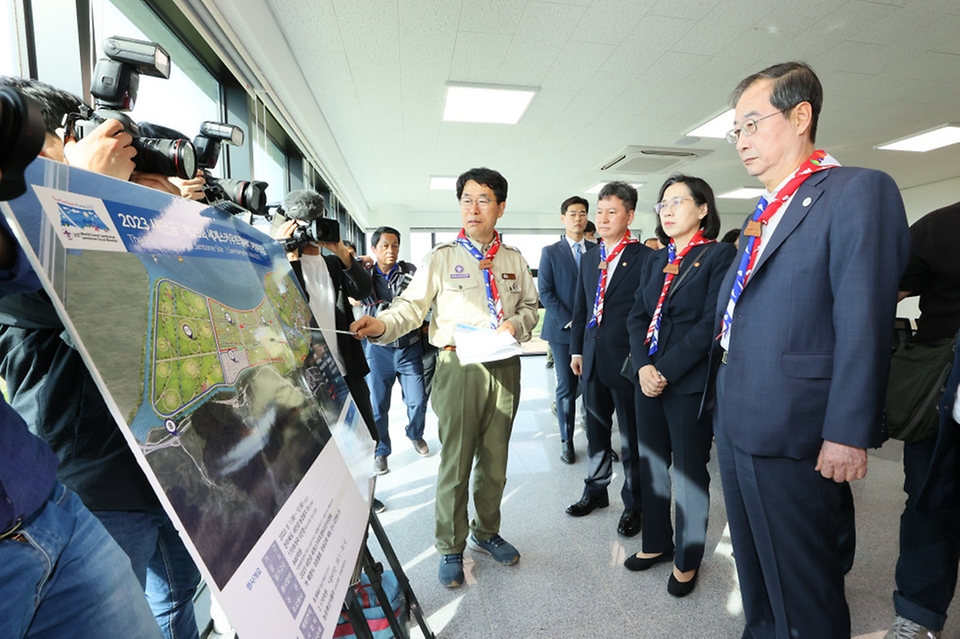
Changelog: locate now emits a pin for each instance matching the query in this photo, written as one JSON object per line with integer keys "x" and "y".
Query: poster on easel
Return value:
{"x": 192, "y": 324}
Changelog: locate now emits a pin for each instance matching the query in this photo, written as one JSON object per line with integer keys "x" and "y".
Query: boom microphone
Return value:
{"x": 305, "y": 205}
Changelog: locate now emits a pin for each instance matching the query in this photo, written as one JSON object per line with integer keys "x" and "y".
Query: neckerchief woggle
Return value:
{"x": 818, "y": 161}
{"x": 605, "y": 259}
{"x": 671, "y": 270}
{"x": 486, "y": 266}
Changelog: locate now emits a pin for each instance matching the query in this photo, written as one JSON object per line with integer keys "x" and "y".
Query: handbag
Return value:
{"x": 918, "y": 373}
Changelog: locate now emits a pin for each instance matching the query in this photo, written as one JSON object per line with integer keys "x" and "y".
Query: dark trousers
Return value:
{"x": 429, "y": 365}
{"x": 669, "y": 429}
{"x": 927, "y": 567}
{"x": 601, "y": 400}
{"x": 567, "y": 390}
{"x": 387, "y": 364}
{"x": 361, "y": 397}
{"x": 784, "y": 524}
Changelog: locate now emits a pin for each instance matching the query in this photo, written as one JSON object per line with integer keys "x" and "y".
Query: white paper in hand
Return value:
{"x": 477, "y": 345}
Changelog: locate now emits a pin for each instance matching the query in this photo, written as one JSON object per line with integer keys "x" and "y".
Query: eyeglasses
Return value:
{"x": 672, "y": 203}
{"x": 748, "y": 128}
{"x": 467, "y": 203}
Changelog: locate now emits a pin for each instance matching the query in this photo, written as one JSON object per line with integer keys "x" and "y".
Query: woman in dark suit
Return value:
{"x": 671, "y": 327}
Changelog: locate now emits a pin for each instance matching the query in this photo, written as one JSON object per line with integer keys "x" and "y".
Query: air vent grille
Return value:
{"x": 648, "y": 160}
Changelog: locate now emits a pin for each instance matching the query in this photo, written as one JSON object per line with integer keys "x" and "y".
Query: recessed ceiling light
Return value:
{"x": 596, "y": 187}
{"x": 746, "y": 193}
{"x": 443, "y": 183}
{"x": 715, "y": 128}
{"x": 927, "y": 141}
{"x": 489, "y": 105}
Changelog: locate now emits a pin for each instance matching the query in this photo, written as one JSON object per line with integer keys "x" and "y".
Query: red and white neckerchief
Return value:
{"x": 602, "y": 283}
{"x": 486, "y": 265}
{"x": 671, "y": 270}
{"x": 818, "y": 161}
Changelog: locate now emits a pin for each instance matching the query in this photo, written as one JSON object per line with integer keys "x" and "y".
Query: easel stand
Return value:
{"x": 374, "y": 570}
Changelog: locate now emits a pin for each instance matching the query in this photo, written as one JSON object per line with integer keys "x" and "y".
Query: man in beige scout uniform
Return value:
{"x": 476, "y": 281}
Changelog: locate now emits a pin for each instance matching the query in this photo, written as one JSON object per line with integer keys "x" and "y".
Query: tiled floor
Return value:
{"x": 570, "y": 581}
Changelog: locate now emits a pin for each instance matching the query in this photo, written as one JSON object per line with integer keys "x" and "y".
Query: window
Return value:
{"x": 191, "y": 94}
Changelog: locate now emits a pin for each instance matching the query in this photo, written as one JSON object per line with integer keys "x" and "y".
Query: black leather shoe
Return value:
{"x": 644, "y": 563}
{"x": 681, "y": 588}
{"x": 567, "y": 455}
{"x": 629, "y": 523}
{"x": 614, "y": 457}
{"x": 587, "y": 505}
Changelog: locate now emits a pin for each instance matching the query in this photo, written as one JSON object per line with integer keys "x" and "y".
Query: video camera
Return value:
{"x": 250, "y": 195}
{"x": 114, "y": 88}
{"x": 22, "y": 132}
{"x": 307, "y": 206}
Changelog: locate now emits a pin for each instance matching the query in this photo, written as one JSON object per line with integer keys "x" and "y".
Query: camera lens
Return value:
{"x": 22, "y": 132}
{"x": 251, "y": 195}
{"x": 173, "y": 158}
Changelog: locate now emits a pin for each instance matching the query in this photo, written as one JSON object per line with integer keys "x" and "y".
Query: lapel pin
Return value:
{"x": 807, "y": 201}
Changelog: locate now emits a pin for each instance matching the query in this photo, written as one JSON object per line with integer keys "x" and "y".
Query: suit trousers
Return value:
{"x": 669, "y": 427}
{"x": 567, "y": 387}
{"x": 387, "y": 364}
{"x": 475, "y": 406}
{"x": 784, "y": 524}
{"x": 602, "y": 399}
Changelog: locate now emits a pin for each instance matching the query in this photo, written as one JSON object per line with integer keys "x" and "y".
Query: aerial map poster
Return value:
{"x": 193, "y": 326}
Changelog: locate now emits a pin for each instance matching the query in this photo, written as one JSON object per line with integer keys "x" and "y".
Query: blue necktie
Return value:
{"x": 577, "y": 253}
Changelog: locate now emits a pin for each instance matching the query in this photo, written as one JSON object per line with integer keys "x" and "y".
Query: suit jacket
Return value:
{"x": 606, "y": 345}
{"x": 809, "y": 351}
{"x": 687, "y": 319}
{"x": 556, "y": 279}
{"x": 352, "y": 282}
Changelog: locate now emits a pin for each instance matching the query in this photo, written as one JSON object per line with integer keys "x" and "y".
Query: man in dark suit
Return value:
{"x": 599, "y": 343}
{"x": 556, "y": 279}
{"x": 805, "y": 319}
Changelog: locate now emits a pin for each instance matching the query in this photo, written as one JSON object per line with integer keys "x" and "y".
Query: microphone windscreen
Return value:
{"x": 305, "y": 205}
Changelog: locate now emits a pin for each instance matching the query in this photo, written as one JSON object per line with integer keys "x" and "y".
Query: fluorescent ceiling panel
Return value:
{"x": 715, "y": 128}
{"x": 599, "y": 185}
{"x": 487, "y": 105}
{"x": 438, "y": 183}
{"x": 746, "y": 193}
{"x": 927, "y": 141}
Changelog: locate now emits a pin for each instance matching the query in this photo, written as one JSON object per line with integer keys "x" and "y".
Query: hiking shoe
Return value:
{"x": 451, "y": 570}
{"x": 498, "y": 548}
{"x": 903, "y": 628}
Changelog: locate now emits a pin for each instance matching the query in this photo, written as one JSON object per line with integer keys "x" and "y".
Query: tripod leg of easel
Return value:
{"x": 412, "y": 603}
{"x": 354, "y": 612}
{"x": 374, "y": 571}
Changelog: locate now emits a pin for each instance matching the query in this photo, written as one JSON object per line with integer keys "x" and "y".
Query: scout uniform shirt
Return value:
{"x": 451, "y": 277}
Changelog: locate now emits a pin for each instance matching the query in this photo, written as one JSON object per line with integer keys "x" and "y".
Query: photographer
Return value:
{"x": 49, "y": 384}
{"x": 62, "y": 574}
{"x": 328, "y": 280}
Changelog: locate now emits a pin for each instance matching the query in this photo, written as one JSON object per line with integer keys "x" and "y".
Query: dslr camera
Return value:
{"x": 22, "y": 133}
{"x": 226, "y": 194}
{"x": 115, "y": 84}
